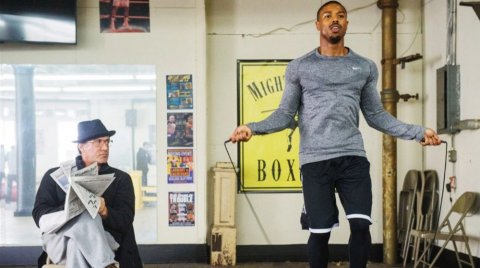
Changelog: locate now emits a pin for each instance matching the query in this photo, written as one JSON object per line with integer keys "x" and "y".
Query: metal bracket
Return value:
{"x": 402, "y": 60}
{"x": 406, "y": 97}
{"x": 474, "y": 4}
{"x": 406, "y": 59}
{"x": 452, "y": 156}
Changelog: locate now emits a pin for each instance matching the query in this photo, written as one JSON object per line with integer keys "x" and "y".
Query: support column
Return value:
{"x": 223, "y": 232}
{"x": 25, "y": 139}
{"x": 390, "y": 98}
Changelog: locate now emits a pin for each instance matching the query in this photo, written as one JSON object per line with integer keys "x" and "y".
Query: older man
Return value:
{"x": 104, "y": 241}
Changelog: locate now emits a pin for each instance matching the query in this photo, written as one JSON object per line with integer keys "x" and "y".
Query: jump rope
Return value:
{"x": 263, "y": 230}
{"x": 441, "y": 197}
{"x": 245, "y": 194}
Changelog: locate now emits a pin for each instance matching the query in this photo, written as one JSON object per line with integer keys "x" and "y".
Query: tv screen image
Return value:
{"x": 38, "y": 21}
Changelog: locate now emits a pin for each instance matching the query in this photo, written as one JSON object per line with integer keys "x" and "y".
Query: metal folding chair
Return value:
{"x": 451, "y": 229}
{"x": 426, "y": 210}
{"x": 406, "y": 217}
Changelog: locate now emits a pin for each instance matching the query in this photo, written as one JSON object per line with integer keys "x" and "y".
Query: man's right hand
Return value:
{"x": 241, "y": 133}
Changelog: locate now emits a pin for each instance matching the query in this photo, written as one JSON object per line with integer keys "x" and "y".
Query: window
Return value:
{"x": 40, "y": 106}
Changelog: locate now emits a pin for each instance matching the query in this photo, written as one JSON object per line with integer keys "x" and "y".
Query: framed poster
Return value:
{"x": 179, "y": 166}
{"x": 268, "y": 163}
{"x": 180, "y": 129}
{"x": 181, "y": 208}
{"x": 124, "y": 16}
{"x": 179, "y": 92}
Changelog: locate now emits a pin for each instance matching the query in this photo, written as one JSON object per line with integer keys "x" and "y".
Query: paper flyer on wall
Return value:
{"x": 181, "y": 209}
{"x": 83, "y": 190}
{"x": 179, "y": 92}
{"x": 180, "y": 166}
{"x": 180, "y": 129}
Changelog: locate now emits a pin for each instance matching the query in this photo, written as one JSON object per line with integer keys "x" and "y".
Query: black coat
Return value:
{"x": 120, "y": 200}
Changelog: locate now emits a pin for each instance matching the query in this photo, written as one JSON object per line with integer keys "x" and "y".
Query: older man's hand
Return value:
{"x": 103, "y": 210}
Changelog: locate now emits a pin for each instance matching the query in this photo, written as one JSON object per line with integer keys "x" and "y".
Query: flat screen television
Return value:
{"x": 38, "y": 21}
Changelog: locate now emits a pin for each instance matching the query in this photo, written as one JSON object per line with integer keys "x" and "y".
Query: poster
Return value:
{"x": 124, "y": 16}
{"x": 180, "y": 166}
{"x": 180, "y": 129}
{"x": 268, "y": 163}
{"x": 181, "y": 209}
{"x": 179, "y": 92}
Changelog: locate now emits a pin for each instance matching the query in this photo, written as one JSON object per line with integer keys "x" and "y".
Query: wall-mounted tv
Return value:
{"x": 38, "y": 21}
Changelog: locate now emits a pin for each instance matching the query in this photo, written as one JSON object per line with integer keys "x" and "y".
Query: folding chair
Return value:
{"x": 450, "y": 229}
{"x": 406, "y": 211}
{"x": 426, "y": 211}
{"x": 430, "y": 200}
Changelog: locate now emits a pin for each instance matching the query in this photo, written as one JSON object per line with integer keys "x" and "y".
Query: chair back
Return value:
{"x": 411, "y": 181}
{"x": 465, "y": 203}
{"x": 431, "y": 180}
{"x": 430, "y": 200}
{"x": 411, "y": 185}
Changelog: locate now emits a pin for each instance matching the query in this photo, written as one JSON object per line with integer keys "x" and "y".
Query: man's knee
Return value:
{"x": 359, "y": 225}
{"x": 319, "y": 238}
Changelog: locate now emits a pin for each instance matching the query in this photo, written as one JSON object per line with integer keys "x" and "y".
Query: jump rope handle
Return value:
{"x": 442, "y": 141}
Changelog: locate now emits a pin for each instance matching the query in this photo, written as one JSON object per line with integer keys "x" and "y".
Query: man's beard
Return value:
{"x": 335, "y": 39}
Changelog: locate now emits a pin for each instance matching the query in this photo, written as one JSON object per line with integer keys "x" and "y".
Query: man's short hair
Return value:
{"x": 328, "y": 3}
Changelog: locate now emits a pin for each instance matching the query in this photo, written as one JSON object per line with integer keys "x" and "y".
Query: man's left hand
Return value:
{"x": 103, "y": 210}
{"x": 430, "y": 138}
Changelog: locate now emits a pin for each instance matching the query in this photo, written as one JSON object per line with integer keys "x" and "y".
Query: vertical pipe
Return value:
{"x": 452, "y": 32}
{"x": 390, "y": 98}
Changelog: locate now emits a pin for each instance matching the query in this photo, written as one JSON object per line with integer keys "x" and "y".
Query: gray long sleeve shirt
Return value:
{"x": 327, "y": 93}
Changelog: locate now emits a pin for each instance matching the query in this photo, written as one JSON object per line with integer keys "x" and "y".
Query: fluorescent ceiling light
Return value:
{"x": 145, "y": 76}
{"x": 37, "y": 89}
{"x": 7, "y": 89}
{"x": 78, "y": 77}
{"x": 84, "y": 77}
{"x": 107, "y": 89}
{"x": 6, "y": 77}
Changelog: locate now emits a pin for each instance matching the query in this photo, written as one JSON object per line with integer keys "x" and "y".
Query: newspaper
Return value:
{"x": 83, "y": 189}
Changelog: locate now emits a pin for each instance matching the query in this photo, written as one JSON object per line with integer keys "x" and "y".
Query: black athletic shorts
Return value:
{"x": 350, "y": 177}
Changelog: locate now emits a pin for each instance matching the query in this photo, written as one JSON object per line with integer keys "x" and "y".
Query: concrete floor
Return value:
{"x": 246, "y": 265}
{"x": 266, "y": 265}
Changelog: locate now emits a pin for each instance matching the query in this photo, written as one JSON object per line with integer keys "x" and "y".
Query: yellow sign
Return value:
{"x": 268, "y": 163}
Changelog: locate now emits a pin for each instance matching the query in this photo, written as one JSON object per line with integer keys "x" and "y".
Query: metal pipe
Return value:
{"x": 470, "y": 124}
{"x": 452, "y": 32}
{"x": 390, "y": 98}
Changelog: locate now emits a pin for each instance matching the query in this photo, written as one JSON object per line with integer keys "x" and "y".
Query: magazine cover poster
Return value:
{"x": 179, "y": 92}
{"x": 180, "y": 165}
{"x": 180, "y": 129}
{"x": 181, "y": 209}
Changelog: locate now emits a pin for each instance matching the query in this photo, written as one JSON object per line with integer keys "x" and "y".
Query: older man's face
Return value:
{"x": 96, "y": 150}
